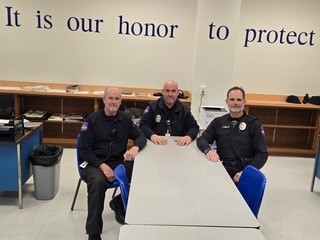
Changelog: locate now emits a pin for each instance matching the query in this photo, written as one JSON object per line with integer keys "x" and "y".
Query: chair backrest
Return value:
{"x": 122, "y": 177}
{"x": 252, "y": 185}
{"x": 79, "y": 159}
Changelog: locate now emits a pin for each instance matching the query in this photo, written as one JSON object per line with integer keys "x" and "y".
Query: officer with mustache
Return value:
{"x": 239, "y": 138}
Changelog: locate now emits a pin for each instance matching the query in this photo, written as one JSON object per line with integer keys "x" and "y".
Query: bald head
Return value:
{"x": 170, "y": 84}
{"x": 113, "y": 90}
{"x": 170, "y": 93}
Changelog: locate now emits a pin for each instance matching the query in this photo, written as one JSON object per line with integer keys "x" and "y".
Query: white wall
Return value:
{"x": 31, "y": 52}
{"x": 279, "y": 68}
{"x": 105, "y": 58}
{"x": 214, "y": 60}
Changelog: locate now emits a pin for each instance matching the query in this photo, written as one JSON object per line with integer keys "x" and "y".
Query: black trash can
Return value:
{"x": 45, "y": 160}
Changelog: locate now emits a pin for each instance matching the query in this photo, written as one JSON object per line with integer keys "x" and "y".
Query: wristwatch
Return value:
{"x": 206, "y": 151}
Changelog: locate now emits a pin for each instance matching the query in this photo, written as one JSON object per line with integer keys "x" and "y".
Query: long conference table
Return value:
{"x": 138, "y": 232}
{"x": 177, "y": 186}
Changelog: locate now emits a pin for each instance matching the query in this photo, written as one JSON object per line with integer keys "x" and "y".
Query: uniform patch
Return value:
{"x": 146, "y": 110}
{"x": 157, "y": 118}
{"x": 262, "y": 131}
{"x": 242, "y": 126}
{"x": 84, "y": 126}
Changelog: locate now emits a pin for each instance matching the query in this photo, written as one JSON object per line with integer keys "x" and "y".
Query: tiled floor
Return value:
{"x": 289, "y": 210}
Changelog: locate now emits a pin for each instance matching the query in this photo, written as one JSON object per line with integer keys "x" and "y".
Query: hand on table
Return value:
{"x": 159, "y": 140}
{"x": 131, "y": 154}
{"x": 184, "y": 141}
{"x": 213, "y": 156}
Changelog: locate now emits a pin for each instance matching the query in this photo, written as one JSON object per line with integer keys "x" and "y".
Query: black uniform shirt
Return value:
{"x": 157, "y": 118}
{"x": 241, "y": 139}
{"x": 104, "y": 139}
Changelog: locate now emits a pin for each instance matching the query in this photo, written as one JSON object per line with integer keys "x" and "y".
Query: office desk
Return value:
{"x": 177, "y": 185}
{"x": 15, "y": 165}
{"x": 138, "y": 232}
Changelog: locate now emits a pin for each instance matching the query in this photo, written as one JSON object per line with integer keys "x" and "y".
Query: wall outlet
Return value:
{"x": 203, "y": 89}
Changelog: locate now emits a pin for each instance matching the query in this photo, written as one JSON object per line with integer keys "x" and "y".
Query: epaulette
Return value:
{"x": 252, "y": 117}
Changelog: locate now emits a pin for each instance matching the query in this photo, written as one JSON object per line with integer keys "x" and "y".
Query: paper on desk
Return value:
{"x": 56, "y": 90}
{"x": 143, "y": 94}
{"x": 127, "y": 94}
{"x": 36, "y": 88}
{"x": 80, "y": 92}
{"x": 9, "y": 88}
{"x": 98, "y": 92}
{"x": 32, "y": 124}
{"x": 4, "y": 121}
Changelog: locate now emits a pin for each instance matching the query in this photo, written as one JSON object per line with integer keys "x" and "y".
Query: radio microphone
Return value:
{"x": 113, "y": 131}
{"x": 234, "y": 123}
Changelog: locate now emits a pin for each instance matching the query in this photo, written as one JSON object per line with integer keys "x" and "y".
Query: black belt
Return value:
{"x": 241, "y": 163}
{"x": 233, "y": 164}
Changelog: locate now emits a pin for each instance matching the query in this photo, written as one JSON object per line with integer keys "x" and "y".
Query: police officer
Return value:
{"x": 239, "y": 138}
{"x": 168, "y": 116}
{"x": 103, "y": 146}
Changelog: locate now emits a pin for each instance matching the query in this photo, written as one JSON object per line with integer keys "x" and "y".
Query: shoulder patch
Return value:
{"x": 146, "y": 110}
{"x": 84, "y": 126}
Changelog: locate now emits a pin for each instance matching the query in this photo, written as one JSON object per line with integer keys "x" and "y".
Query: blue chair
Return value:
{"x": 114, "y": 185}
{"x": 122, "y": 177}
{"x": 252, "y": 185}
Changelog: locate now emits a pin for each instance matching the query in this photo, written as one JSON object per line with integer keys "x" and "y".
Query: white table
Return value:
{"x": 177, "y": 185}
{"x": 138, "y": 232}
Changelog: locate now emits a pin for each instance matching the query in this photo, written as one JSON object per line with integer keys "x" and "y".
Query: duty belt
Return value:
{"x": 233, "y": 164}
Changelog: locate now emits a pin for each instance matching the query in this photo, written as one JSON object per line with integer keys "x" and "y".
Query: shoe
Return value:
{"x": 118, "y": 210}
{"x": 94, "y": 237}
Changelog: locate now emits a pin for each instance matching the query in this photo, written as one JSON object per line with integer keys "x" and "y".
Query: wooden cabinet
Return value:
{"x": 15, "y": 161}
{"x": 58, "y": 132}
{"x": 56, "y": 100}
{"x": 291, "y": 129}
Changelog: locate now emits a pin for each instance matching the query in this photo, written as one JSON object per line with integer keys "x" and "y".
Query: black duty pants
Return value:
{"x": 97, "y": 185}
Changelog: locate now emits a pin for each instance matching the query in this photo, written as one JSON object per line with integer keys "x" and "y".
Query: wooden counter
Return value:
{"x": 53, "y": 98}
{"x": 291, "y": 129}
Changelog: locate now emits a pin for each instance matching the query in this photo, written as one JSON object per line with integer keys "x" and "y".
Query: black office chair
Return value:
{"x": 114, "y": 185}
{"x": 7, "y": 107}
